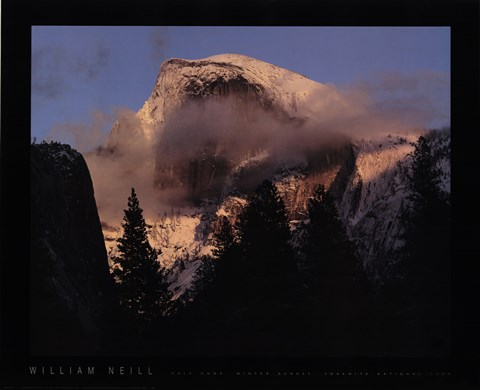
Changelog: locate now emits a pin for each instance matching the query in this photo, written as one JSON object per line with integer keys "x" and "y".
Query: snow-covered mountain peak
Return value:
{"x": 254, "y": 69}
{"x": 232, "y": 58}
{"x": 244, "y": 78}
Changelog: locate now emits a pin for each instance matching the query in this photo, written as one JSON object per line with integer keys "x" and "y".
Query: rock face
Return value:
{"x": 72, "y": 293}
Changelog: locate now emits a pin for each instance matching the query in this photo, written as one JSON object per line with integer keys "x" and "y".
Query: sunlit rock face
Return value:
{"x": 72, "y": 293}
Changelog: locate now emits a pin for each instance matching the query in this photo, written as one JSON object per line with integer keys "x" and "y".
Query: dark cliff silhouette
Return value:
{"x": 72, "y": 296}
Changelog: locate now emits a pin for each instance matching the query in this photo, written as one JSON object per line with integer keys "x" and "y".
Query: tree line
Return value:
{"x": 257, "y": 294}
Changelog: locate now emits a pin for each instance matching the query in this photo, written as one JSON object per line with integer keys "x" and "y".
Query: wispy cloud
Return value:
{"x": 420, "y": 98}
{"x": 158, "y": 40}
{"x": 48, "y": 64}
{"x": 84, "y": 137}
{"x": 54, "y": 68}
{"x": 91, "y": 65}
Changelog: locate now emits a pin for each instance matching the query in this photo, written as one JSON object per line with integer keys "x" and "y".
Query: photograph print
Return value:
{"x": 240, "y": 192}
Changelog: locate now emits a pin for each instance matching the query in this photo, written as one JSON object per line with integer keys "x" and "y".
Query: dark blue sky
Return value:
{"x": 79, "y": 72}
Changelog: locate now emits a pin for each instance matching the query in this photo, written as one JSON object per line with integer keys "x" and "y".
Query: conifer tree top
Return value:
{"x": 142, "y": 288}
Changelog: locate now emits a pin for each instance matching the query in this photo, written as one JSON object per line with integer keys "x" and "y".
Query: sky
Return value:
{"x": 82, "y": 75}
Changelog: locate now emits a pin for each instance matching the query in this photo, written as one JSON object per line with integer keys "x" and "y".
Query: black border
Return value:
{"x": 17, "y": 18}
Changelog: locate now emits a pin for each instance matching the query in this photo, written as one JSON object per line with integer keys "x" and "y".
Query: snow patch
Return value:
{"x": 184, "y": 279}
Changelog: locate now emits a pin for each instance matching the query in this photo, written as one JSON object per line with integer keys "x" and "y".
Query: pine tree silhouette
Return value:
{"x": 427, "y": 231}
{"x": 337, "y": 285}
{"x": 264, "y": 233}
{"x": 326, "y": 237}
{"x": 224, "y": 239}
{"x": 424, "y": 265}
{"x": 253, "y": 273}
{"x": 425, "y": 178}
{"x": 140, "y": 280}
{"x": 330, "y": 255}
{"x": 267, "y": 270}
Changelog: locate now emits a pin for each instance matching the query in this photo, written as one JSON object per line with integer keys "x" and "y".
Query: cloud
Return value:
{"x": 48, "y": 66}
{"x": 403, "y": 81}
{"x": 124, "y": 161}
{"x": 118, "y": 159}
{"x": 55, "y": 67}
{"x": 82, "y": 136}
{"x": 416, "y": 99}
{"x": 158, "y": 40}
{"x": 90, "y": 66}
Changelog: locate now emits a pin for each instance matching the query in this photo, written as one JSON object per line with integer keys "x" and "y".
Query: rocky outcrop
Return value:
{"x": 72, "y": 292}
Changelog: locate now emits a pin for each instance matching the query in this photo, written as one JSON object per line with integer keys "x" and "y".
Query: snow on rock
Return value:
{"x": 182, "y": 236}
{"x": 178, "y": 235}
{"x": 231, "y": 207}
{"x": 376, "y": 197}
{"x": 183, "y": 277}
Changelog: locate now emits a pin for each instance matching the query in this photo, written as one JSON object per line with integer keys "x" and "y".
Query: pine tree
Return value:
{"x": 423, "y": 289}
{"x": 140, "y": 280}
{"x": 264, "y": 233}
{"x": 227, "y": 267}
{"x": 251, "y": 284}
{"x": 325, "y": 232}
{"x": 337, "y": 284}
{"x": 262, "y": 268}
{"x": 330, "y": 255}
{"x": 224, "y": 239}
{"x": 425, "y": 179}
{"x": 427, "y": 222}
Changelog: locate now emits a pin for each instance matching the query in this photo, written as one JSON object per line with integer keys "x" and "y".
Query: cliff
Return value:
{"x": 72, "y": 293}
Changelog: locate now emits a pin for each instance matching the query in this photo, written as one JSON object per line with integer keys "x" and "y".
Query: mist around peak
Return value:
{"x": 190, "y": 152}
